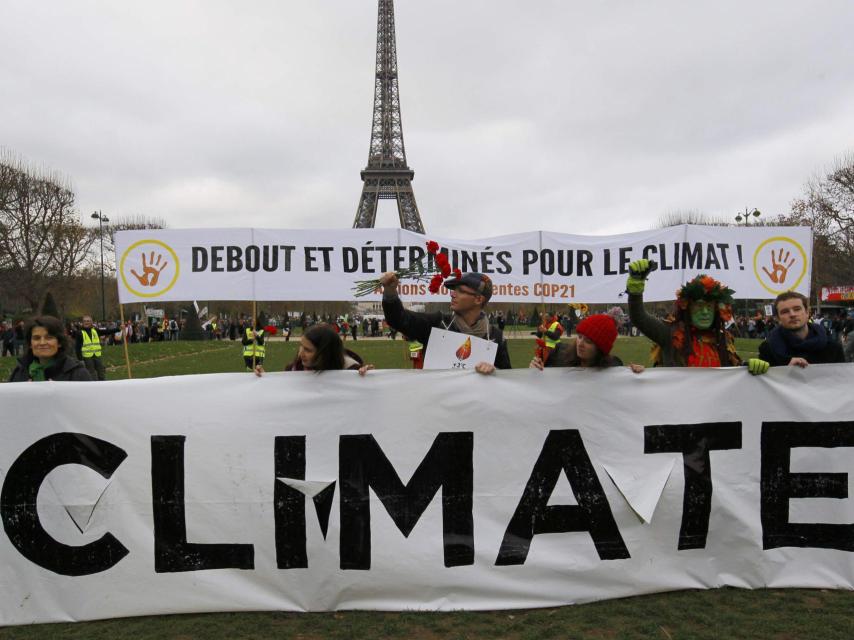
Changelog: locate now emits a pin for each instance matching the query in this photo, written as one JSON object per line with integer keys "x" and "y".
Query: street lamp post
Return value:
{"x": 101, "y": 218}
{"x": 745, "y": 218}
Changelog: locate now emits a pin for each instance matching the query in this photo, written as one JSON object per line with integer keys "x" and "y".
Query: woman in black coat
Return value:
{"x": 47, "y": 354}
{"x": 321, "y": 349}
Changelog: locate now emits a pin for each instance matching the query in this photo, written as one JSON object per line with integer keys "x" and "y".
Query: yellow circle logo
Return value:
{"x": 149, "y": 268}
{"x": 779, "y": 264}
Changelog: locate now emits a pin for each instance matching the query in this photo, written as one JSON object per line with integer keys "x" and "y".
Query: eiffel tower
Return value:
{"x": 387, "y": 175}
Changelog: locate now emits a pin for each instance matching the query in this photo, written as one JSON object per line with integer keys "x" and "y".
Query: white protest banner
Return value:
{"x": 452, "y": 350}
{"x": 268, "y": 264}
{"x": 420, "y": 489}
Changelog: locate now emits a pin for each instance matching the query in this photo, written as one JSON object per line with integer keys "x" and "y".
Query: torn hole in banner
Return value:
{"x": 321, "y": 493}
{"x": 641, "y": 482}
{"x": 79, "y": 491}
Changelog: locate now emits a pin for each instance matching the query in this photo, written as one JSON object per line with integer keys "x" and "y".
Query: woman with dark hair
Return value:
{"x": 47, "y": 354}
{"x": 321, "y": 349}
{"x": 591, "y": 348}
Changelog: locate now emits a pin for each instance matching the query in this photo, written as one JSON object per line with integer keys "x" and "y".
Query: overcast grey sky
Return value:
{"x": 580, "y": 117}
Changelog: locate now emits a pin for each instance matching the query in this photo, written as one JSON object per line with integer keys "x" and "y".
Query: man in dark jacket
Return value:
{"x": 848, "y": 337}
{"x": 469, "y": 295}
{"x": 796, "y": 341}
{"x": 7, "y": 338}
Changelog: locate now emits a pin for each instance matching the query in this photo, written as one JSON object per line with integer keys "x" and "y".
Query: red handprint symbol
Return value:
{"x": 779, "y": 270}
{"x": 150, "y": 270}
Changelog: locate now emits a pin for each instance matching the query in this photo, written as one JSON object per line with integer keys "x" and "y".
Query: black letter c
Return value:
{"x": 20, "y": 514}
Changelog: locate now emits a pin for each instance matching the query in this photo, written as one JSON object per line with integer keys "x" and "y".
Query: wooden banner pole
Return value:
{"x": 125, "y": 339}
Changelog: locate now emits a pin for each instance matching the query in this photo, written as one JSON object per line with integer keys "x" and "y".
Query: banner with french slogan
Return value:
{"x": 333, "y": 491}
{"x": 539, "y": 266}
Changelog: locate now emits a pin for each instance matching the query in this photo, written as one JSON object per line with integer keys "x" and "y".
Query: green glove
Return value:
{"x": 757, "y": 367}
{"x": 637, "y": 276}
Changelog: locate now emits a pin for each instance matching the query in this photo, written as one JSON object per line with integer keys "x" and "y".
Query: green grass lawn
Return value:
{"x": 721, "y": 613}
{"x": 736, "y": 614}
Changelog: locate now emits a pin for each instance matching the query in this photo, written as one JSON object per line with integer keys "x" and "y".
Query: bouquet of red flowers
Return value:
{"x": 417, "y": 271}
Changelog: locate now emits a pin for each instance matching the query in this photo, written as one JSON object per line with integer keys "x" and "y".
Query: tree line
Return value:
{"x": 44, "y": 246}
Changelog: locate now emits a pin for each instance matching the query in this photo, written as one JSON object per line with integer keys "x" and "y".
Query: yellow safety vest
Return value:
{"x": 551, "y": 344}
{"x": 255, "y": 349}
{"x": 91, "y": 343}
{"x": 416, "y": 354}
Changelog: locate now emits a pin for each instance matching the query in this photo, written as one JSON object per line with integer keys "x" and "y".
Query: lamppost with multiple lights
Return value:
{"x": 101, "y": 218}
{"x": 745, "y": 217}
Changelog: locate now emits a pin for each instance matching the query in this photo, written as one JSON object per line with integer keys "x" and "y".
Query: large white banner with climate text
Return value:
{"x": 334, "y": 491}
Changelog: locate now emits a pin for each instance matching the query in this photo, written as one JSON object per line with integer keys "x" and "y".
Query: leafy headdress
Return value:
{"x": 702, "y": 287}
{"x": 705, "y": 287}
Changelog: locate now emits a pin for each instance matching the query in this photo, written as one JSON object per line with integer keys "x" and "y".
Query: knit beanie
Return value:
{"x": 601, "y": 329}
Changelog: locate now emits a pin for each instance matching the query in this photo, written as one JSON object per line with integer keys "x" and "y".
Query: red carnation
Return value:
{"x": 435, "y": 283}
{"x": 443, "y": 264}
{"x": 432, "y": 247}
{"x": 458, "y": 274}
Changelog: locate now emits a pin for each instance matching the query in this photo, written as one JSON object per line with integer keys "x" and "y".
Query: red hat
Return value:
{"x": 601, "y": 329}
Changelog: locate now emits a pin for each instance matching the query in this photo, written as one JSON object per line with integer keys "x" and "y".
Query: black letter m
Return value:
{"x": 364, "y": 466}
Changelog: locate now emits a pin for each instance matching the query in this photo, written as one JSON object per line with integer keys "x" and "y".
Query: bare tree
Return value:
{"x": 828, "y": 207}
{"x": 42, "y": 240}
{"x": 125, "y": 223}
{"x": 828, "y": 204}
{"x": 689, "y": 216}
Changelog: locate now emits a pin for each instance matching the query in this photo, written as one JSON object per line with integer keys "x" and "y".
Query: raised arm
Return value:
{"x": 652, "y": 328}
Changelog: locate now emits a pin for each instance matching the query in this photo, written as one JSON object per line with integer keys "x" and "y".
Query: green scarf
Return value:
{"x": 37, "y": 369}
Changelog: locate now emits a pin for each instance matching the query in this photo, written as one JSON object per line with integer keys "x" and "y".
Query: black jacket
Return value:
{"x": 416, "y": 326}
{"x": 64, "y": 369}
{"x": 563, "y": 355}
{"x": 818, "y": 348}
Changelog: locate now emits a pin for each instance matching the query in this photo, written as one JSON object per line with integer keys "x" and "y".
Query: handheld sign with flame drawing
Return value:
{"x": 465, "y": 350}
{"x": 452, "y": 350}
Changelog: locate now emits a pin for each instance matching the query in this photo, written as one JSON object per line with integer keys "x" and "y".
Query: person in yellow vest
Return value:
{"x": 550, "y": 331}
{"x": 88, "y": 347}
{"x": 416, "y": 353}
{"x": 253, "y": 346}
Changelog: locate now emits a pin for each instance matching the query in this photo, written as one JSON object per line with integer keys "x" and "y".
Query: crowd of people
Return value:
{"x": 699, "y": 332}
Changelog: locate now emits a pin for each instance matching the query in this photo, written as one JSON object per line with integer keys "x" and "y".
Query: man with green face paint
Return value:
{"x": 696, "y": 336}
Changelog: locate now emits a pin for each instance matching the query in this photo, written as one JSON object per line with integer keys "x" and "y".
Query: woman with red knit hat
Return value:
{"x": 590, "y": 348}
